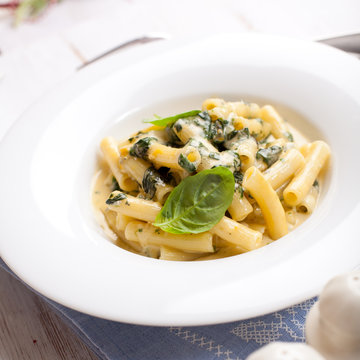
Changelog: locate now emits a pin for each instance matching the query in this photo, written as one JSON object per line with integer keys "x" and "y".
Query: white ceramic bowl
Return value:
{"x": 49, "y": 236}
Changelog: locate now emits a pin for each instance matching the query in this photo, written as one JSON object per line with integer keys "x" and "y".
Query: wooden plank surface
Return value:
{"x": 29, "y": 328}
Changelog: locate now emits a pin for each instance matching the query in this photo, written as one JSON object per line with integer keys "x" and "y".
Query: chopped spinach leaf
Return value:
{"x": 166, "y": 176}
{"x": 115, "y": 196}
{"x": 214, "y": 155}
{"x": 114, "y": 184}
{"x": 178, "y": 127}
{"x": 173, "y": 139}
{"x": 316, "y": 184}
{"x": 289, "y": 136}
{"x": 232, "y": 134}
{"x": 186, "y": 164}
{"x": 150, "y": 181}
{"x": 238, "y": 176}
{"x": 204, "y": 115}
{"x": 269, "y": 155}
{"x": 141, "y": 147}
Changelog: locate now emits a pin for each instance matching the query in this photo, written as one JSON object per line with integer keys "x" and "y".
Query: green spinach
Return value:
{"x": 186, "y": 164}
{"x": 151, "y": 180}
{"x": 141, "y": 147}
{"x": 115, "y": 196}
{"x": 269, "y": 155}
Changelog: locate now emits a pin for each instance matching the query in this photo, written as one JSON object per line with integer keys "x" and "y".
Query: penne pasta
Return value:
{"x": 283, "y": 169}
{"x": 240, "y": 207}
{"x": 238, "y": 234}
{"x": 271, "y": 116}
{"x": 260, "y": 189}
{"x": 204, "y": 185}
{"x": 111, "y": 154}
{"x": 301, "y": 184}
{"x": 187, "y": 158}
{"x": 307, "y": 205}
{"x": 146, "y": 233}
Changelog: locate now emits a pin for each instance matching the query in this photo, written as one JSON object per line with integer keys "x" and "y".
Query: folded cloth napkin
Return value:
{"x": 112, "y": 340}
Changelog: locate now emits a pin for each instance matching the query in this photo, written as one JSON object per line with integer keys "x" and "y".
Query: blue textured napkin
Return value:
{"x": 232, "y": 341}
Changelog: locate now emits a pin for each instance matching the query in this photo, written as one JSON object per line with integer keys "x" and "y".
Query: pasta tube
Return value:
{"x": 278, "y": 126}
{"x": 187, "y": 158}
{"x": 301, "y": 184}
{"x": 121, "y": 221}
{"x": 257, "y": 127}
{"x": 146, "y": 175}
{"x": 168, "y": 253}
{"x": 238, "y": 234}
{"x": 219, "y": 109}
{"x": 146, "y": 233}
{"x": 240, "y": 207}
{"x": 247, "y": 149}
{"x": 270, "y": 205}
{"x": 307, "y": 205}
{"x": 131, "y": 206}
{"x": 109, "y": 148}
{"x": 283, "y": 169}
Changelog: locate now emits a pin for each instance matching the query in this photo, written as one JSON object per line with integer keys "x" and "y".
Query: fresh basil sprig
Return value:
{"x": 171, "y": 119}
{"x": 198, "y": 202}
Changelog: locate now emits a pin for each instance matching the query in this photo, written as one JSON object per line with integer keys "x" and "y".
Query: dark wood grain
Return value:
{"x": 30, "y": 329}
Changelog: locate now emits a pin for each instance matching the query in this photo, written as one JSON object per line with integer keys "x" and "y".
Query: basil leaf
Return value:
{"x": 198, "y": 202}
{"x": 171, "y": 119}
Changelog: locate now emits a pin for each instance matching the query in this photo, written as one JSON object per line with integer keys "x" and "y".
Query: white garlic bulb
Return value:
{"x": 333, "y": 324}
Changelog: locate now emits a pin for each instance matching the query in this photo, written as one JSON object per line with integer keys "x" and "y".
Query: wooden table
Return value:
{"x": 37, "y": 56}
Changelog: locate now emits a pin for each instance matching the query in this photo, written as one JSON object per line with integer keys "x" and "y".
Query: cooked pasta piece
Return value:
{"x": 278, "y": 126}
{"x": 240, "y": 207}
{"x": 219, "y": 109}
{"x": 186, "y": 158}
{"x": 260, "y": 189}
{"x": 238, "y": 234}
{"x": 143, "y": 172}
{"x": 307, "y": 205}
{"x": 121, "y": 221}
{"x": 247, "y": 151}
{"x": 168, "y": 253}
{"x": 111, "y": 154}
{"x": 301, "y": 184}
{"x": 258, "y": 128}
{"x": 222, "y": 253}
{"x": 134, "y": 207}
{"x": 146, "y": 233}
{"x": 283, "y": 169}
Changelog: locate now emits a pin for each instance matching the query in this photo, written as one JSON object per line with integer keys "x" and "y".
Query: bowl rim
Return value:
{"x": 90, "y": 77}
